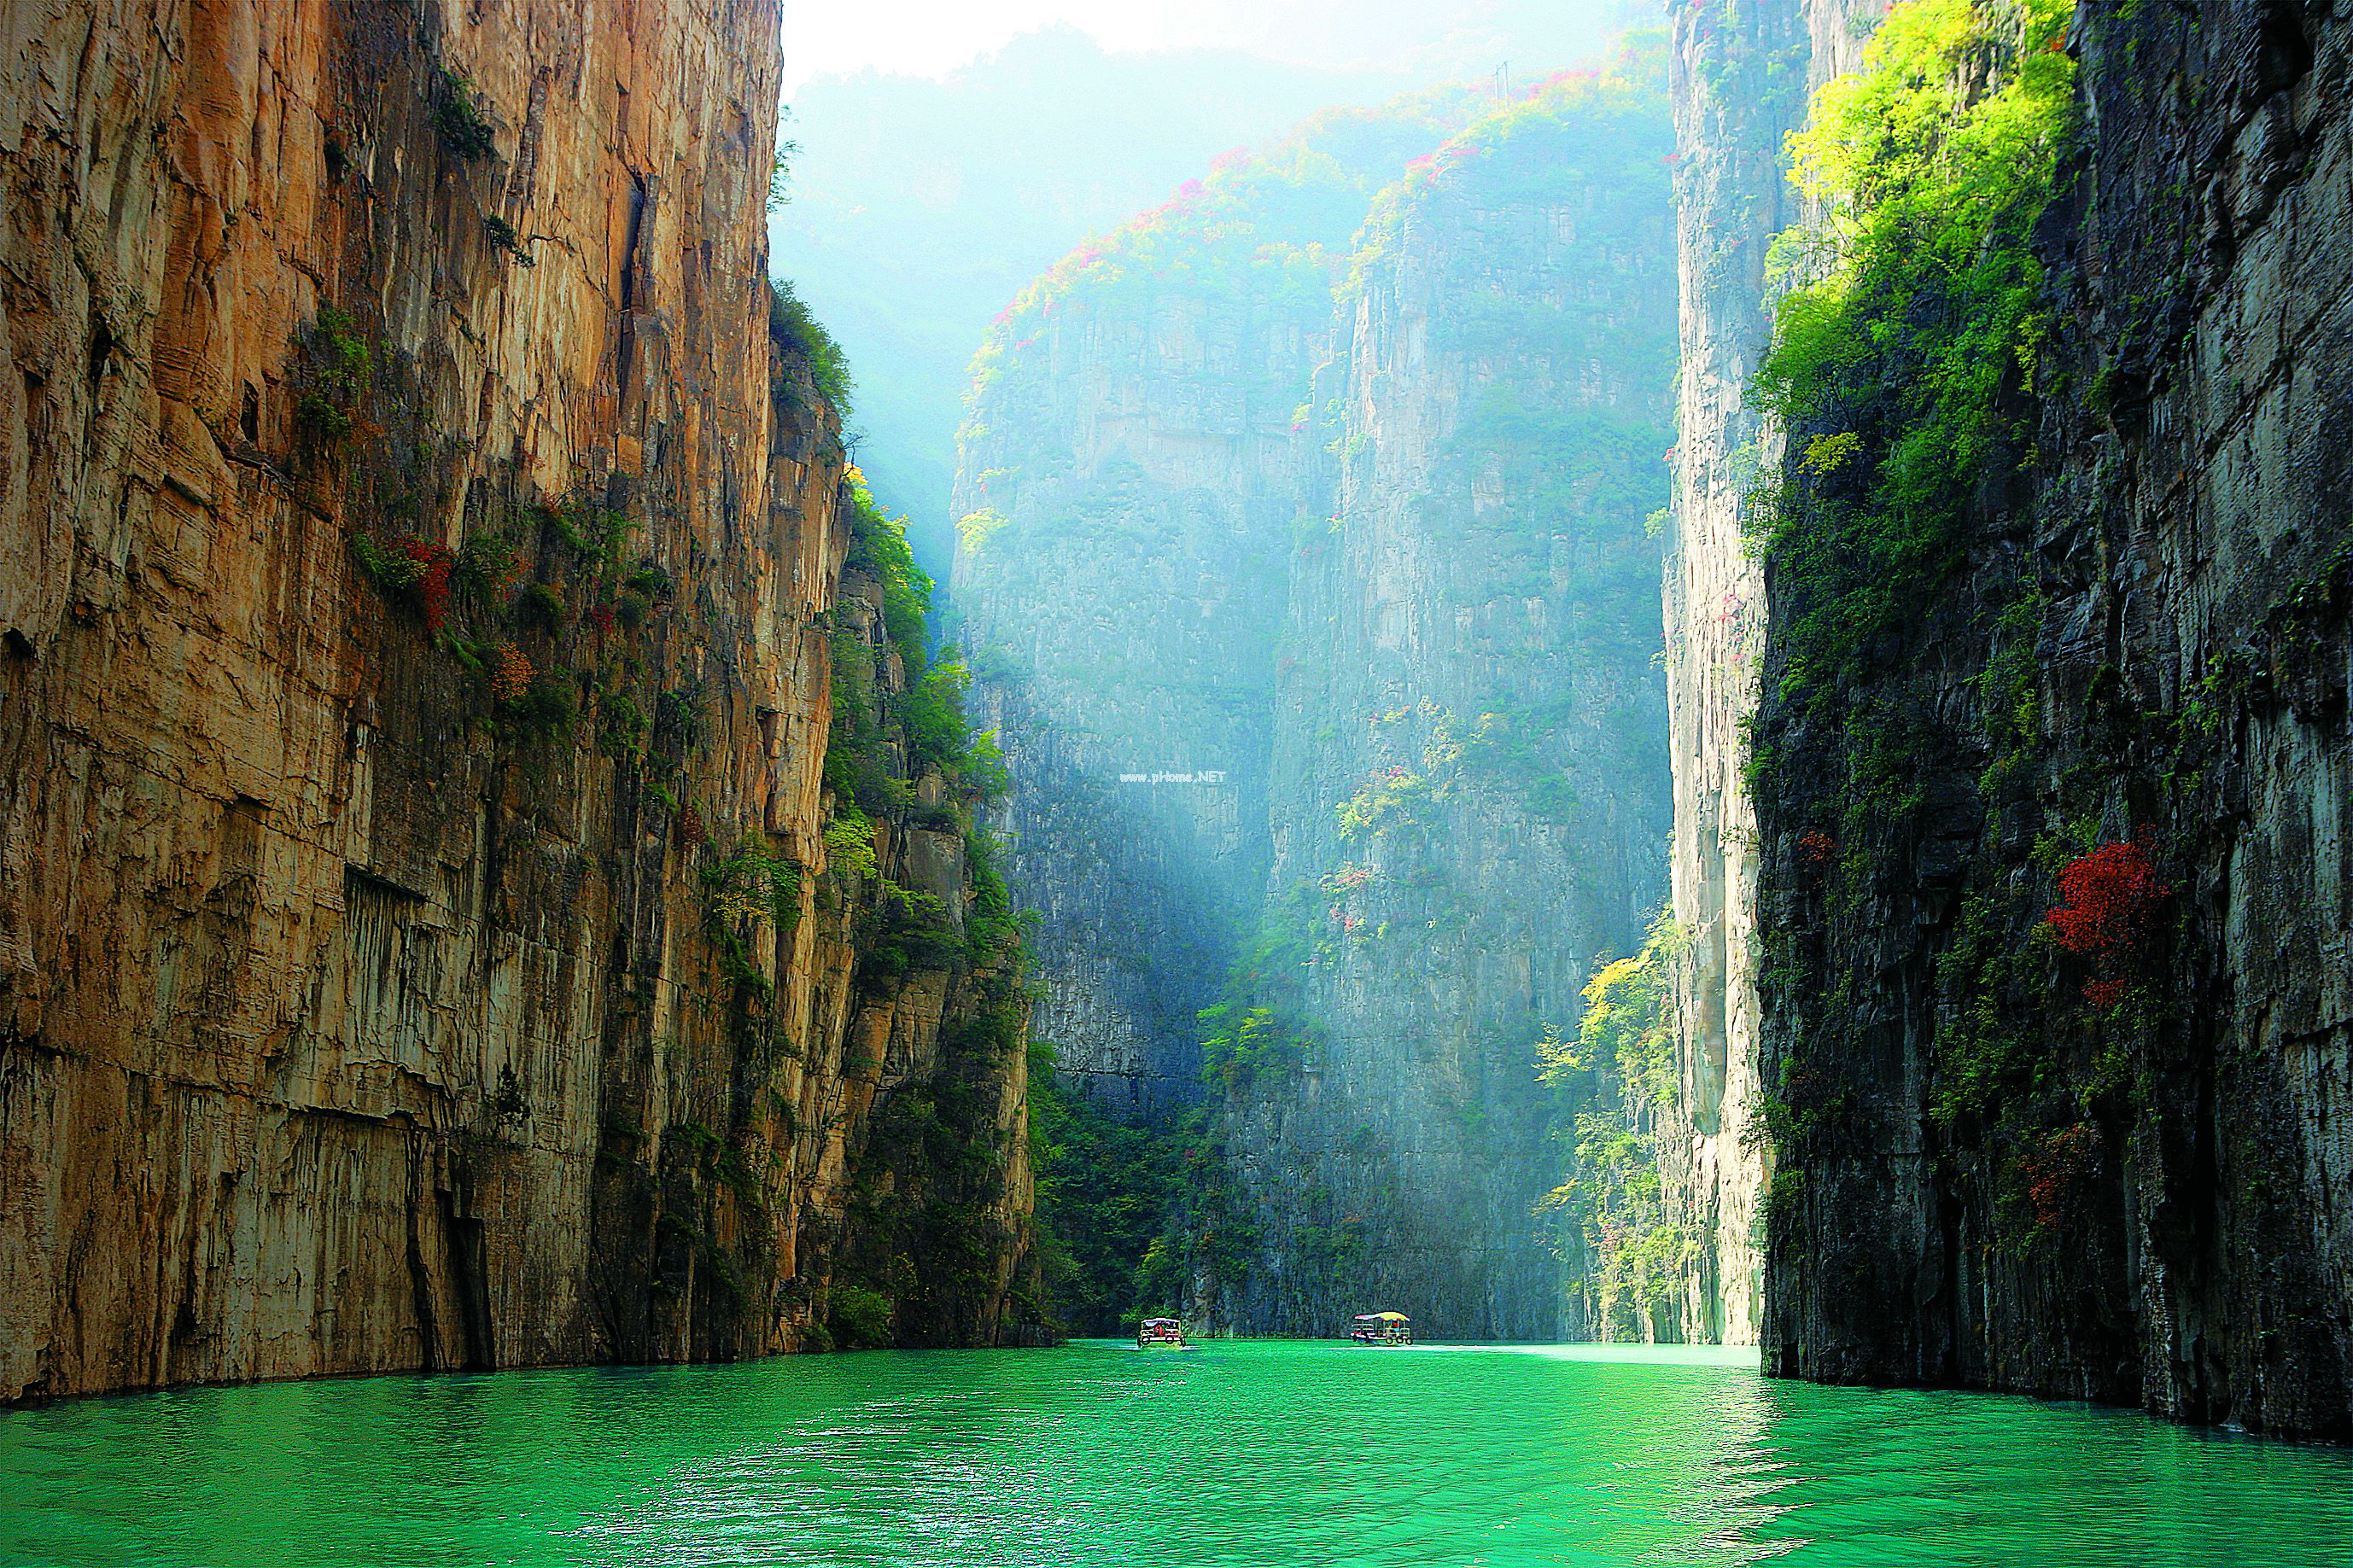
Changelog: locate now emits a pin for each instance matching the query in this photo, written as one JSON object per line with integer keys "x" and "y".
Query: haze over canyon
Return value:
{"x": 1698, "y": 695}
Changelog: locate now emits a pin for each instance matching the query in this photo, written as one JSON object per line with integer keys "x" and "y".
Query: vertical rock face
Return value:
{"x": 1740, "y": 80}
{"x": 1127, "y": 608}
{"x": 1468, "y": 802}
{"x": 417, "y": 943}
{"x": 2102, "y": 1154}
{"x": 1133, "y": 474}
{"x": 1441, "y": 798}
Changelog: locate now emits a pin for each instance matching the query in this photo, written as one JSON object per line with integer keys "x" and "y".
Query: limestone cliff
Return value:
{"x": 1469, "y": 804}
{"x": 1741, "y": 78}
{"x": 1134, "y": 469}
{"x": 1377, "y": 561}
{"x": 422, "y": 943}
{"x": 2055, "y": 1022}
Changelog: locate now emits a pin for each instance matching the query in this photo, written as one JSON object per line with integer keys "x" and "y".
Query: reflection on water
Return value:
{"x": 1263, "y": 1454}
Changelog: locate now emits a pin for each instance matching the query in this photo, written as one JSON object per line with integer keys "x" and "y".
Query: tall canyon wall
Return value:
{"x": 1379, "y": 564}
{"x": 1133, "y": 474}
{"x": 1469, "y": 808}
{"x": 2045, "y": 907}
{"x": 1742, "y": 78}
{"x": 423, "y": 575}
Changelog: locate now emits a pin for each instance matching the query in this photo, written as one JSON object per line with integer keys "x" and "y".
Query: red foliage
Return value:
{"x": 1435, "y": 165}
{"x": 433, "y": 564}
{"x": 2109, "y": 899}
{"x": 601, "y": 617}
{"x": 692, "y": 835}
{"x": 1816, "y": 850}
{"x": 2053, "y": 1166}
{"x": 2104, "y": 994}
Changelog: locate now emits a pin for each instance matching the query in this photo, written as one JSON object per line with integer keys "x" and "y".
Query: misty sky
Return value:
{"x": 930, "y": 37}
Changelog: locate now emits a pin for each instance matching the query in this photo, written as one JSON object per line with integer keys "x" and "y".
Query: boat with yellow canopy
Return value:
{"x": 1382, "y": 1328}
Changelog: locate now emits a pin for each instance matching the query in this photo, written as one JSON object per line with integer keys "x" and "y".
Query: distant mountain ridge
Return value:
{"x": 920, "y": 207}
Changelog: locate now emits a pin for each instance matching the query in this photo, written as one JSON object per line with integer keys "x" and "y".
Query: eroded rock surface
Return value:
{"x": 1741, "y": 80}
{"x": 2005, "y": 1160}
{"x": 368, "y": 999}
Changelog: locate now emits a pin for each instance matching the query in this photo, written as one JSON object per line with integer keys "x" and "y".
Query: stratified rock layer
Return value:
{"x": 358, "y": 1012}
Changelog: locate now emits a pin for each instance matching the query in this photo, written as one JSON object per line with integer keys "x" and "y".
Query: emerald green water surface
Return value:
{"x": 1239, "y": 1454}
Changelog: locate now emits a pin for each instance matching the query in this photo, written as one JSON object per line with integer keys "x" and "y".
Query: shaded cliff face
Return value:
{"x": 1467, "y": 800}
{"x": 420, "y": 942}
{"x": 2097, "y": 1152}
{"x": 1134, "y": 470}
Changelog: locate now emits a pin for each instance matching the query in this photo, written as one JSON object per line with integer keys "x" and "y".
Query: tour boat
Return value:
{"x": 1382, "y": 1328}
{"x": 1162, "y": 1333}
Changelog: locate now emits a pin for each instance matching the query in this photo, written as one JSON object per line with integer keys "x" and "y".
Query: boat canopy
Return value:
{"x": 1160, "y": 1322}
{"x": 1383, "y": 1318}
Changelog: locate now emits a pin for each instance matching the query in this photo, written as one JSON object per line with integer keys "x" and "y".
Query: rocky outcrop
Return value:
{"x": 1436, "y": 796}
{"x": 421, "y": 944}
{"x": 2100, "y": 1154}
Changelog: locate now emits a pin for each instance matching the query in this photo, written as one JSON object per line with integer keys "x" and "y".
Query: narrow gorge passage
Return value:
{"x": 1305, "y": 571}
{"x": 1416, "y": 759}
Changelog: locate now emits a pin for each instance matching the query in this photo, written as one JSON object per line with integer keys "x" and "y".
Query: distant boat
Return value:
{"x": 1382, "y": 1328}
{"x": 1162, "y": 1335}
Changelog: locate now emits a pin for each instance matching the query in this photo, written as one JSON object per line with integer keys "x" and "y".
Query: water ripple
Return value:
{"x": 1245, "y": 1456}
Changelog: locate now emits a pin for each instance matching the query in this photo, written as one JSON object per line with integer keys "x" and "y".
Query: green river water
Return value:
{"x": 1257, "y": 1453}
